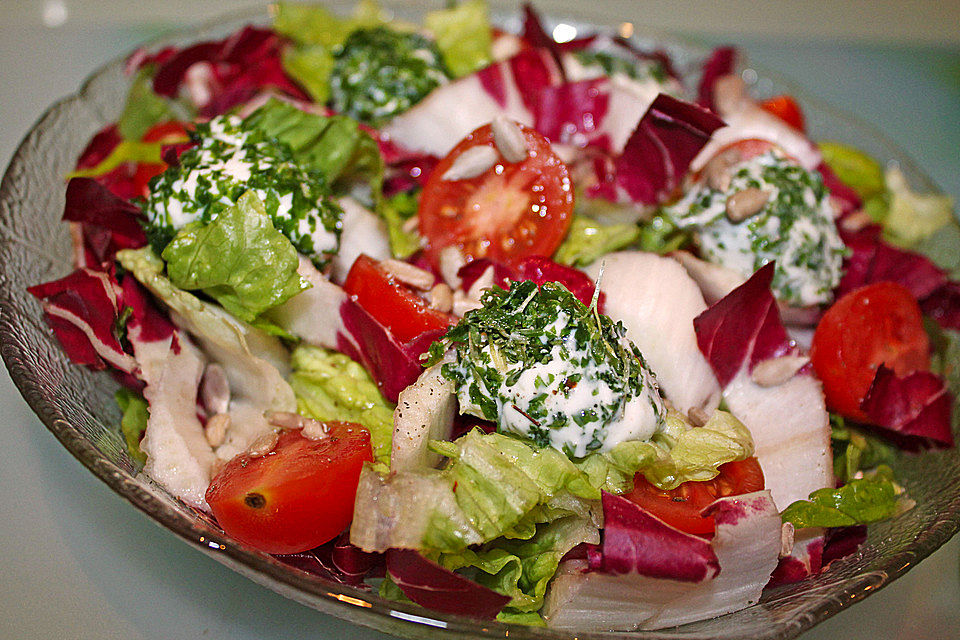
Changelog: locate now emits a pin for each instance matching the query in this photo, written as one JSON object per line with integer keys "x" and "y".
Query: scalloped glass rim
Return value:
{"x": 76, "y": 404}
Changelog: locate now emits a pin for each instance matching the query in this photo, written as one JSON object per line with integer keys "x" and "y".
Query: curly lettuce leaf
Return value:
{"x": 134, "y": 421}
{"x": 126, "y": 151}
{"x": 240, "y": 260}
{"x": 587, "y": 240}
{"x": 313, "y": 24}
{"x": 463, "y": 36}
{"x": 522, "y": 569}
{"x": 913, "y": 217}
{"x": 872, "y": 498}
{"x": 331, "y": 386}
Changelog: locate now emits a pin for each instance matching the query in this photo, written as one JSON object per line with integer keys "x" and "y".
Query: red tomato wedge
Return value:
{"x": 786, "y": 108}
{"x": 298, "y": 496}
{"x": 880, "y": 323}
{"x": 171, "y": 132}
{"x": 681, "y": 507}
{"x": 392, "y": 303}
{"x": 508, "y": 212}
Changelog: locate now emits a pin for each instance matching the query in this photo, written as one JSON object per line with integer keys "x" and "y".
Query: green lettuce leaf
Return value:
{"x": 344, "y": 155}
{"x": 856, "y": 450}
{"x": 313, "y": 24}
{"x": 872, "y": 498}
{"x": 587, "y": 240}
{"x": 854, "y": 168}
{"x": 396, "y": 211}
{"x": 310, "y": 65}
{"x": 695, "y": 453}
{"x": 522, "y": 569}
{"x": 143, "y": 108}
{"x": 331, "y": 386}
{"x": 240, "y": 260}
{"x": 134, "y": 421}
{"x": 463, "y": 36}
{"x": 913, "y": 217}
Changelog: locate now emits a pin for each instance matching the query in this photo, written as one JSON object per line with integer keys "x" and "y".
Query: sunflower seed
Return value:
{"x": 441, "y": 298}
{"x": 697, "y": 416}
{"x": 471, "y": 163}
{"x": 263, "y": 445}
{"x": 216, "y": 429}
{"x": 314, "y": 429}
{"x": 215, "y": 389}
{"x": 285, "y": 419}
{"x": 409, "y": 274}
{"x": 747, "y": 203}
{"x": 509, "y": 140}
{"x": 775, "y": 371}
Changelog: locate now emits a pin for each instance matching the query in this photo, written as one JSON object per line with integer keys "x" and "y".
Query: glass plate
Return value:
{"x": 77, "y": 405}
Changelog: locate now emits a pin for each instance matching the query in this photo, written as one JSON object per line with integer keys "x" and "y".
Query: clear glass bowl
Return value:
{"x": 77, "y": 405}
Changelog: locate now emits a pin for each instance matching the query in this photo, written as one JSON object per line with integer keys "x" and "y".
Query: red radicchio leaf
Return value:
{"x": 110, "y": 223}
{"x": 99, "y": 147}
{"x": 142, "y": 58}
{"x": 841, "y": 542}
{"x": 873, "y": 260}
{"x": 845, "y": 196}
{"x": 153, "y": 324}
{"x": 657, "y": 55}
{"x": 471, "y": 272}
{"x": 634, "y": 541}
{"x": 570, "y": 113}
{"x": 82, "y": 309}
{"x": 337, "y": 560}
{"x": 431, "y": 586}
{"x": 943, "y": 305}
{"x": 721, "y": 62}
{"x": 743, "y": 326}
{"x": 538, "y": 269}
{"x": 394, "y": 366}
{"x": 239, "y": 67}
{"x": 805, "y": 560}
{"x": 917, "y": 405}
{"x": 659, "y": 151}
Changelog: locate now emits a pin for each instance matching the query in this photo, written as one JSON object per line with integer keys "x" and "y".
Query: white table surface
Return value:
{"x": 76, "y": 561}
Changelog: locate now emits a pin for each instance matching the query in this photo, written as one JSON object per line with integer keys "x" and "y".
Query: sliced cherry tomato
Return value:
{"x": 681, "y": 507}
{"x": 392, "y": 303}
{"x": 298, "y": 496}
{"x": 880, "y": 323}
{"x": 786, "y": 108}
{"x": 171, "y": 132}
{"x": 508, "y": 212}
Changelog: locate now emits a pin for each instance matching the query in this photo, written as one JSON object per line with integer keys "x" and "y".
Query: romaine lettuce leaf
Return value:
{"x": 872, "y": 498}
{"x": 913, "y": 217}
{"x": 331, "y": 386}
{"x": 463, "y": 36}
{"x": 396, "y": 211}
{"x": 239, "y": 259}
{"x": 125, "y": 151}
{"x": 134, "y": 421}
{"x": 307, "y": 23}
{"x": 335, "y": 147}
{"x": 587, "y": 240}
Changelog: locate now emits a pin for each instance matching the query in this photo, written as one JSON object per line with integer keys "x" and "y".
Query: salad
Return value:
{"x": 509, "y": 325}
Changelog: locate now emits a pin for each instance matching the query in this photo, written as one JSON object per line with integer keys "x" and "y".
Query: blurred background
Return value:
{"x": 78, "y": 562}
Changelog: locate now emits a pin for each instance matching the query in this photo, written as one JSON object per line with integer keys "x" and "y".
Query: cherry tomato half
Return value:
{"x": 508, "y": 212}
{"x": 880, "y": 323}
{"x": 171, "y": 132}
{"x": 296, "y": 497}
{"x": 392, "y": 303}
{"x": 786, "y": 108}
{"x": 681, "y": 507}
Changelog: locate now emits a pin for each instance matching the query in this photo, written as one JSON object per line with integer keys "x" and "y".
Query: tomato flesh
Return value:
{"x": 508, "y": 212}
{"x": 681, "y": 507}
{"x": 171, "y": 132}
{"x": 786, "y": 108}
{"x": 879, "y": 323}
{"x": 295, "y": 498}
{"x": 392, "y": 303}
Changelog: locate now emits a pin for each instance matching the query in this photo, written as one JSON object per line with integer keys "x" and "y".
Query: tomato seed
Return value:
{"x": 255, "y": 501}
